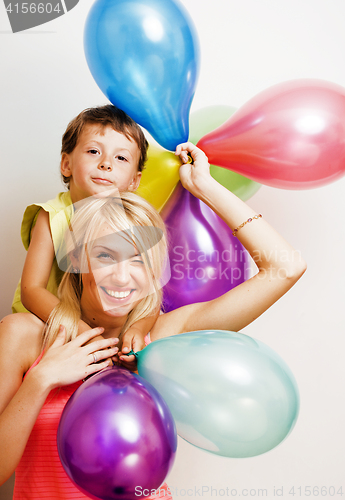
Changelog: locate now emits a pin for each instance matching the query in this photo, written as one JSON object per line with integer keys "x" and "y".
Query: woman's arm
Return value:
{"x": 37, "y": 267}
{"x": 21, "y": 400}
{"x": 280, "y": 266}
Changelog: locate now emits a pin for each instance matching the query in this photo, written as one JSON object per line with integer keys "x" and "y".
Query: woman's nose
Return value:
{"x": 120, "y": 273}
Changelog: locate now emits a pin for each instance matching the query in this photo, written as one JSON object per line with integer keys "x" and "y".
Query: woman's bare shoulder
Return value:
{"x": 21, "y": 338}
{"x": 20, "y": 345}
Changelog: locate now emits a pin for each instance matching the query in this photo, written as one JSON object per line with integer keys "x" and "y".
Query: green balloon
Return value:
{"x": 229, "y": 393}
{"x": 206, "y": 120}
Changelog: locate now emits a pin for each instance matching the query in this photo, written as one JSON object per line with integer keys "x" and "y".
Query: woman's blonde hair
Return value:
{"x": 133, "y": 217}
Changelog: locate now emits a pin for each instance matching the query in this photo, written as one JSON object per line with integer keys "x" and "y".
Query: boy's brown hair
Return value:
{"x": 105, "y": 116}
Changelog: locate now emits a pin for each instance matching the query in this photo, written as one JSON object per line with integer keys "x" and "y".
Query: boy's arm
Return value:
{"x": 36, "y": 271}
{"x": 38, "y": 263}
{"x": 133, "y": 339}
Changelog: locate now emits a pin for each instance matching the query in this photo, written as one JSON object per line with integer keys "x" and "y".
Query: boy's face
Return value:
{"x": 103, "y": 159}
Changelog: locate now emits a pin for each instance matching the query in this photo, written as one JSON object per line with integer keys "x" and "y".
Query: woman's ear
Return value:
{"x": 65, "y": 165}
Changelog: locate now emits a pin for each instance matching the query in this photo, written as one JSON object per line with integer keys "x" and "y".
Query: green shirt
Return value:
{"x": 60, "y": 211}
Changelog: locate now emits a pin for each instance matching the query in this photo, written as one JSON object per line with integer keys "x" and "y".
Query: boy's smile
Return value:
{"x": 102, "y": 159}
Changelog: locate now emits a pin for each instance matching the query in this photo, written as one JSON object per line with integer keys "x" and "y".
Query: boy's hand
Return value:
{"x": 133, "y": 339}
{"x": 194, "y": 176}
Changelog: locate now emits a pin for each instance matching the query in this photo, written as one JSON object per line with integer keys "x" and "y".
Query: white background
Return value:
{"x": 246, "y": 46}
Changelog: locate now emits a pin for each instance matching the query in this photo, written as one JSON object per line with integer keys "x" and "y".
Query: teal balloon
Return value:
{"x": 229, "y": 394}
{"x": 144, "y": 55}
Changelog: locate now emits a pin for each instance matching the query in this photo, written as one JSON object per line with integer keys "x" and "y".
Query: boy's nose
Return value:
{"x": 105, "y": 166}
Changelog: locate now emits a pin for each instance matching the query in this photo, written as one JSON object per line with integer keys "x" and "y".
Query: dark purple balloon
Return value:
{"x": 116, "y": 434}
{"x": 206, "y": 260}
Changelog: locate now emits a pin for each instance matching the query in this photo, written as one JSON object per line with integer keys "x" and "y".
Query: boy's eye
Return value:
{"x": 93, "y": 151}
{"x": 121, "y": 158}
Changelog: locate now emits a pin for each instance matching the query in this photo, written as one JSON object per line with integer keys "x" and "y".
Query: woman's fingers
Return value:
{"x": 83, "y": 340}
{"x": 60, "y": 338}
{"x": 182, "y": 151}
{"x": 65, "y": 363}
{"x": 85, "y": 337}
{"x": 97, "y": 356}
{"x": 99, "y": 345}
{"x": 188, "y": 147}
{"x": 96, "y": 367}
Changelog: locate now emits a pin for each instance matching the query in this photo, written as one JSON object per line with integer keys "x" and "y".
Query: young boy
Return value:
{"x": 102, "y": 149}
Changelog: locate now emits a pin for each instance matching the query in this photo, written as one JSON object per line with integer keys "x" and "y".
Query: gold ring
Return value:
{"x": 190, "y": 160}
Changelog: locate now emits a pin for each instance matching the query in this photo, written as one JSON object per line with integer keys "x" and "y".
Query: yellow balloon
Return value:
{"x": 160, "y": 176}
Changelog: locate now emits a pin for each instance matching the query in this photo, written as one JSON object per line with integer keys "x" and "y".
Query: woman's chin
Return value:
{"x": 119, "y": 311}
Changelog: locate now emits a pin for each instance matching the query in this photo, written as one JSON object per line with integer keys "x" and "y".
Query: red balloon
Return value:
{"x": 289, "y": 136}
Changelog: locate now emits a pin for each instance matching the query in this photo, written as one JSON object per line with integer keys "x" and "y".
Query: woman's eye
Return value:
{"x": 104, "y": 256}
{"x": 137, "y": 260}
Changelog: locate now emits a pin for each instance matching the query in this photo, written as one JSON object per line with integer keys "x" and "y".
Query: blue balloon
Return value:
{"x": 228, "y": 393}
{"x": 144, "y": 56}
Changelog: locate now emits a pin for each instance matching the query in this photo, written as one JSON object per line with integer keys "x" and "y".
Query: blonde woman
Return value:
{"x": 113, "y": 281}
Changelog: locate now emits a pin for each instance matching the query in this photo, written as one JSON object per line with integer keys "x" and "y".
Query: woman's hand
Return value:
{"x": 194, "y": 176}
{"x": 67, "y": 363}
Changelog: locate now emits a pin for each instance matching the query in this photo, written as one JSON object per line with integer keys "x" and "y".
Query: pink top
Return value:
{"x": 40, "y": 474}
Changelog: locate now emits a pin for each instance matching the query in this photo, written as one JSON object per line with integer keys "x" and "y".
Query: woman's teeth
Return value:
{"x": 117, "y": 295}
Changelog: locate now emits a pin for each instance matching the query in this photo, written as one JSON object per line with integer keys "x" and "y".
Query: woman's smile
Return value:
{"x": 118, "y": 296}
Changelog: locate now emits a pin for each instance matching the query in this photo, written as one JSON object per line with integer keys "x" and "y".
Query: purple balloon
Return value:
{"x": 206, "y": 260}
{"x": 116, "y": 434}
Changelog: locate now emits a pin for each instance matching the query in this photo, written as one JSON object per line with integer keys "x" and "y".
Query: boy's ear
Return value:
{"x": 133, "y": 186}
{"x": 65, "y": 165}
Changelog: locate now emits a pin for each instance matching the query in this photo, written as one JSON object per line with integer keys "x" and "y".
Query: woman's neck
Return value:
{"x": 93, "y": 314}
{"x": 112, "y": 325}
